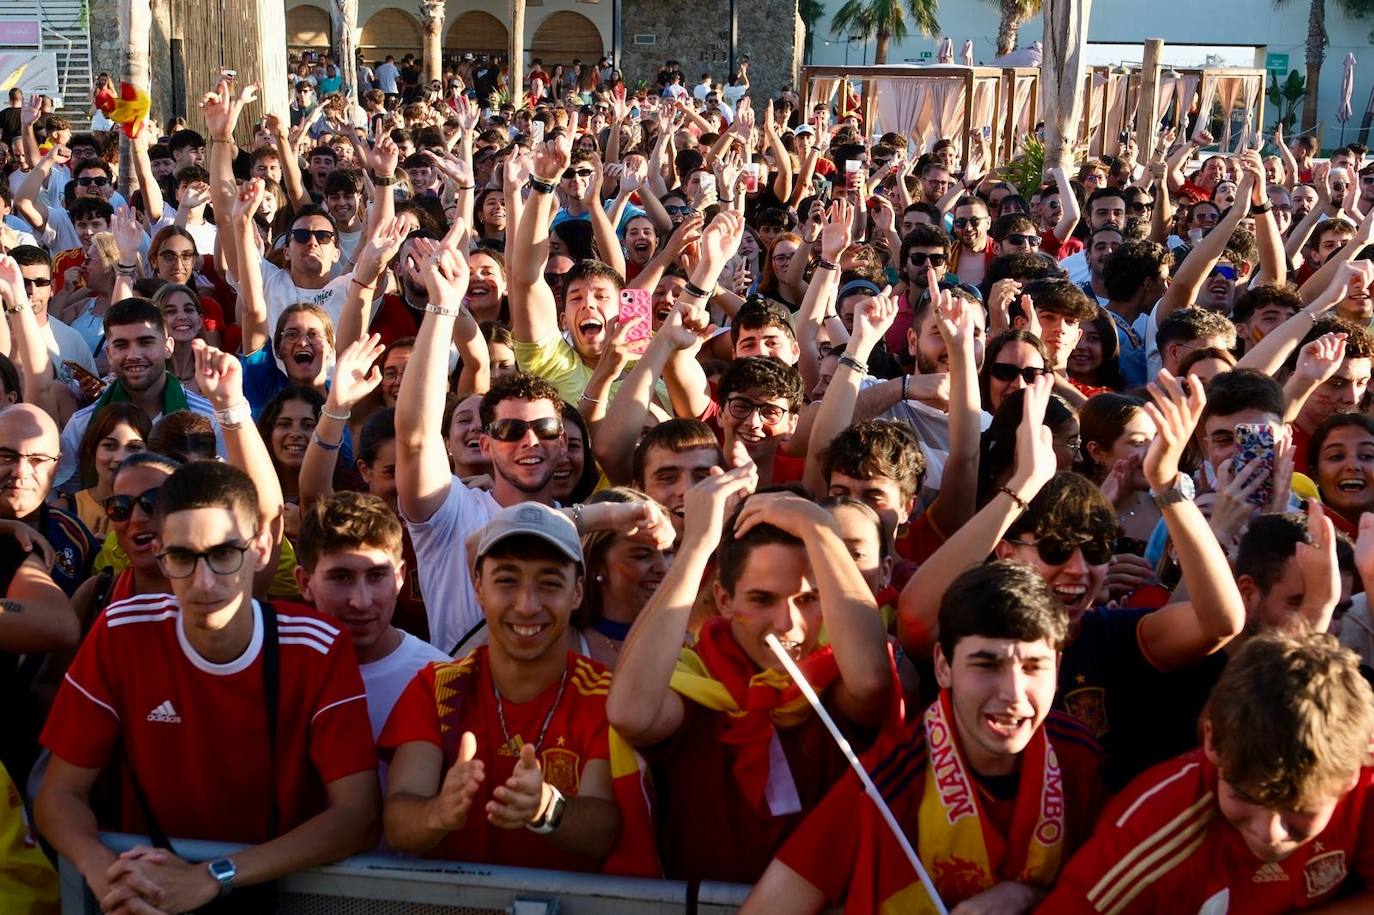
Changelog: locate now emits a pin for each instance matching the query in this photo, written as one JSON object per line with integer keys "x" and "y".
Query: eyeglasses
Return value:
{"x": 37, "y": 282}
{"x": 1056, "y": 552}
{"x": 1072, "y": 442}
{"x": 87, "y": 180}
{"x": 303, "y": 236}
{"x": 1225, "y": 271}
{"x": 121, "y": 508}
{"x": 172, "y": 257}
{"x": 225, "y": 559}
{"x": 1005, "y": 371}
{"x": 10, "y": 458}
{"x": 964, "y": 222}
{"x": 743, "y": 408}
{"x": 920, "y": 258}
{"x": 546, "y": 429}
{"x": 577, "y": 173}
{"x": 292, "y": 335}
{"x": 1030, "y": 241}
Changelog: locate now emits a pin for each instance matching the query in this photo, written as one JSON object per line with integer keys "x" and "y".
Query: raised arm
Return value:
{"x": 1069, "y": 211}
{"x": 1185, "y": 632}
{"x": 253, "y": 316}
{"x": 422, "y": 470}
{"x": 28, "y": 199}
{"x": 918, "y": 608}
{"x": 1270, "y": 353}
{"x": 533, "y": 310}
{"x": 641, "y": 706}
{"x": 1290, "y": 163}
{"x": 1364, "y": 235}
{"x": 28, "y": 344}
{"x": 377, "y": 250}
{"x": 221, "y": 109}
{"x": 958, "y": 325}
{"x": 603, "y": 230}
{"x": 1273, "y": 265}
{"x": 821, "y": 291}
{"x": 356, "y": 375}
{"x": 147, "y": 182}
{"x": 1196, "y": 267}
{"x": 291, "y": 181}
{"x": 782, "y": 184}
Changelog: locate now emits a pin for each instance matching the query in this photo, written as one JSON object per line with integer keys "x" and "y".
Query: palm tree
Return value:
{"x": 884, "y": 20}
{"x": 1014, "y": 15}
{"x": 1317, "y": 40}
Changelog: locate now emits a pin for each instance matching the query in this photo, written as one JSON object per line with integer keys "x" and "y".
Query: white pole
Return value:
{"x": 869, "y": 788}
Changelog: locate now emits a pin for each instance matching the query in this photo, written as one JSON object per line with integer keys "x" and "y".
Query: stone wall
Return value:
{"x": 697, "y": 33}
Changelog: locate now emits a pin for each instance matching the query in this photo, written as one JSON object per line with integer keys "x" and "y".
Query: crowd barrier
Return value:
{"x": 379, "y": 885}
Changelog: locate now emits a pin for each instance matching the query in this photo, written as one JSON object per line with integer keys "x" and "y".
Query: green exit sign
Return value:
{"x": 1276, "y": 63}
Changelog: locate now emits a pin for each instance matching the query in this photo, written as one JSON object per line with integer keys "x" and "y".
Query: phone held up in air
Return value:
{"x": 1255, "y": 444}
{"x": 636, "y": 310}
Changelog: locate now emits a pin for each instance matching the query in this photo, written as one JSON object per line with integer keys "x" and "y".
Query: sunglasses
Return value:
{"x": 920, "y": 258}
{"x": 513, "y": 430}
{"x": 678, "y": 211}
{"x": 1225, "y": 271}
{"x": 1143, "y": 206}
{"x": 1031, "y": 241}
{"x": 303, "y": 236}
{"x": 121, "y": 508}
{"x": 577, "y": 173}
{"x": 964, "y": 222}
{"x": 40, "y": 282}
{"x": 1055, "y": 552}
{"x": 1005, "y": 371}
{"x": 98, "y": 181}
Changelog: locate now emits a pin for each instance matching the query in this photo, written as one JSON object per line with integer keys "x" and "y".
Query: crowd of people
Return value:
{"x": 461, "y": 479}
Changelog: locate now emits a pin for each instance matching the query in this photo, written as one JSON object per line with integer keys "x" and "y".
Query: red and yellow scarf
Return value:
{"x": 716, "y": 674}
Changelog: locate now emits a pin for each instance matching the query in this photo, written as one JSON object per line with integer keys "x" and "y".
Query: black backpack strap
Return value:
{"x": 271, "y": 688}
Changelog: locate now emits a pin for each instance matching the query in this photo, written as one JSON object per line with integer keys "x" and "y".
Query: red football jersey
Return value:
{"x": 196, "y": 732}
{"x": 1162, "y": 845}
{"x": 447, "y": 698}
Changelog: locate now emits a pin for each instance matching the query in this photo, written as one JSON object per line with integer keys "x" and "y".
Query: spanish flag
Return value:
{"x": 128, "y": 109}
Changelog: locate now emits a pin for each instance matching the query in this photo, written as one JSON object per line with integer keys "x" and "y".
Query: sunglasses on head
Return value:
{"x": 1225, "y": 271}
{"x": 513, "y": 430}
{"x": 88, "y": 180}
{"x": 1005, "y": 371}
{"x": 1032, "y": 241}
{"x": 920, "y": 258}
{"x": 303, "y": 236}
{"x": 1055, "y": 552}
{"x": 577, "y": 173}
{"x": 121, "y": 508}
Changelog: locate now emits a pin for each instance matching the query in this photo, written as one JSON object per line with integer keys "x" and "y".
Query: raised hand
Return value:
{"x": 249, "y": 198}
{"x": 1035, "y": 460}
{"x": 1032, "y": 325}
{"x": 644, "y": 522}
{"x": 449, "y": 809}
{"x": 32, "y": 110}
{"x": 468, "y": 114}
{"x": 195, "y": 195}
{"x": 12, "y": 290}
{"x": 872, "y": 318}
{"x": 685, "y": 327}
{"x": 1319, "y": 359}
{"x": 384, "y": 156}
{"x": 835, "y": 232}
{"x": 592, "y": 195}
{"x": 218, "y": 375}
{"x": 711, "y": 501}
{"x": 953, "y": 317}
{"x": 356, "y": 373}
{"x": 1321, "y": 577}
{"x": 445, "y": 274}
{"x": 552, "y": 157}
{"x": 720, "y": 240}
{"x": 380, "y": 247}
{"x": 1175, "y": 412}
{"x": 128, "y": 235}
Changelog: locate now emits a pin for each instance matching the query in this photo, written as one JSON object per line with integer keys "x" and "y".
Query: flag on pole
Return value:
{"x": 129, "y": 109}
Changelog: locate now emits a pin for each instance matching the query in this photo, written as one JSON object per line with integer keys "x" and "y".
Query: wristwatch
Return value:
{"x": 1181, "y": 490}
{"x": 553, "y": 814}
{"x": 234, "y": 416}
{"x": 224, "y": 872}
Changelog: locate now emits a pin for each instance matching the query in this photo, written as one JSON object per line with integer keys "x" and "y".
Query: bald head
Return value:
{"x": 29, "y": 448}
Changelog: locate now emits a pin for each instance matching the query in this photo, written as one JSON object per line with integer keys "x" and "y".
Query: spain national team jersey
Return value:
{"x": 1162, "y": 845}
{"x": 196, "y": 732}
{"x": 447, "y": 698}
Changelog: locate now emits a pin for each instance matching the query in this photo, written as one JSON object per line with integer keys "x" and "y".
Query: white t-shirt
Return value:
{"x": 700, "y": 90}
{"x": 385, "y": 679}
{"x": 67, "y": 345}
{"x": 281, "y": 293}
{"x": 204, "y": 233}
{"x": 441, "y": 557}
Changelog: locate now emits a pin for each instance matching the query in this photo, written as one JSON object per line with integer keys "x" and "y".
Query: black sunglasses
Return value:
{"x": 1032, "y": 241}
{"x": 513, "y": 430}
{"x": 39, "y": 282}
{"x": 1005, "y": 371}
{"x": 1055, "y": 552}
{"x": 577, "y": 173}
{"x": 121, "y": 508}
{"x": 303, "y": 236}
{"x": 1143, "y": 206}
{"x": 87, "y": 180}
{"x": 919, "y": 259}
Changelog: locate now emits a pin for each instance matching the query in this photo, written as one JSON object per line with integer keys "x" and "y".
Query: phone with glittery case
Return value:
{"x": 1255, "y": 442}
{"x": 636, "y": 308}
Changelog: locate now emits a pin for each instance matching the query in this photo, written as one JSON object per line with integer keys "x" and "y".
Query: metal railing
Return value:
{"x": 379, "y": 885}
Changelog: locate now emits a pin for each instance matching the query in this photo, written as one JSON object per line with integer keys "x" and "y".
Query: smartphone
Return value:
{"x": 536, "y": 131}
{"x": 707, "y": 184}
{"x": 1255, "y": 443}
{"x": 853, "y": 174}
{"x": 1124, "y": 136}
{"x": 822, "y": 188}
{"x": 636, "y": 309}
{"x": 751, "y": 178}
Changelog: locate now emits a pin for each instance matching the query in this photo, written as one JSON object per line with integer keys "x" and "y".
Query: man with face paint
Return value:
{"x": 1063, "y": 527}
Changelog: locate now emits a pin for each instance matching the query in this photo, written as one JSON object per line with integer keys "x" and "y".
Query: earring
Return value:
{"x": 601, "y": 578}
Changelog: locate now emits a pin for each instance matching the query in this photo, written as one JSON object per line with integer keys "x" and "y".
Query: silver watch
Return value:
{"x": 553, "y": 814}
{"x": 224, "y": 872}
{"x": 1181, "y": 490}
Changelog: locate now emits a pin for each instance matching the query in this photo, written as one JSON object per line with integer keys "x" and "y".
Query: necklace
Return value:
{"x": 501, "y": 712}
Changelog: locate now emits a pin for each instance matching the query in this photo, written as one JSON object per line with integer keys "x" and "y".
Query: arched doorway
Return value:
{"x": 479, "y": 33}
{"x": 307, "y": 28}
{"x": 565, "y": 36}
{"x": 391, "y": 31}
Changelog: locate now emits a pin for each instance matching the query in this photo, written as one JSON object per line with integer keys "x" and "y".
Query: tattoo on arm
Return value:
{"x": 11, "y": 606}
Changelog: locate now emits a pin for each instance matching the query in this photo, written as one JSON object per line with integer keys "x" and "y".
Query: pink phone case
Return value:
{"x": 637, "y": 305}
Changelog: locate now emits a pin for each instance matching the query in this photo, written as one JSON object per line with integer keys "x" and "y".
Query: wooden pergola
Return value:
{"x": 1002, "y": 126}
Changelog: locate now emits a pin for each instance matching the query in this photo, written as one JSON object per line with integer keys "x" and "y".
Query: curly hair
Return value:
{"x": 1069, "y": 508}
{"x": 878, "y": 448}
{"x": 762, "y": 376}
{"x": 518, "y": 386}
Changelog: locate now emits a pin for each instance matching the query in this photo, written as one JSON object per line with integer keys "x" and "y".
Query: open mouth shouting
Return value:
{"x": 1354, "y": 485}
{"x": 1006, "y": 725}
{"x": 1071, "y": 594}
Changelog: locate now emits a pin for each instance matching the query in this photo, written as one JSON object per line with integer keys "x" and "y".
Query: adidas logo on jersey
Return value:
{"x": 165, "y": 714}
{"x": 1270, "y": 873}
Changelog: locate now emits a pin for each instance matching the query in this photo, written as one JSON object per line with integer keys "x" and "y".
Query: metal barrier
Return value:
{"x": 378, "y": 885}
